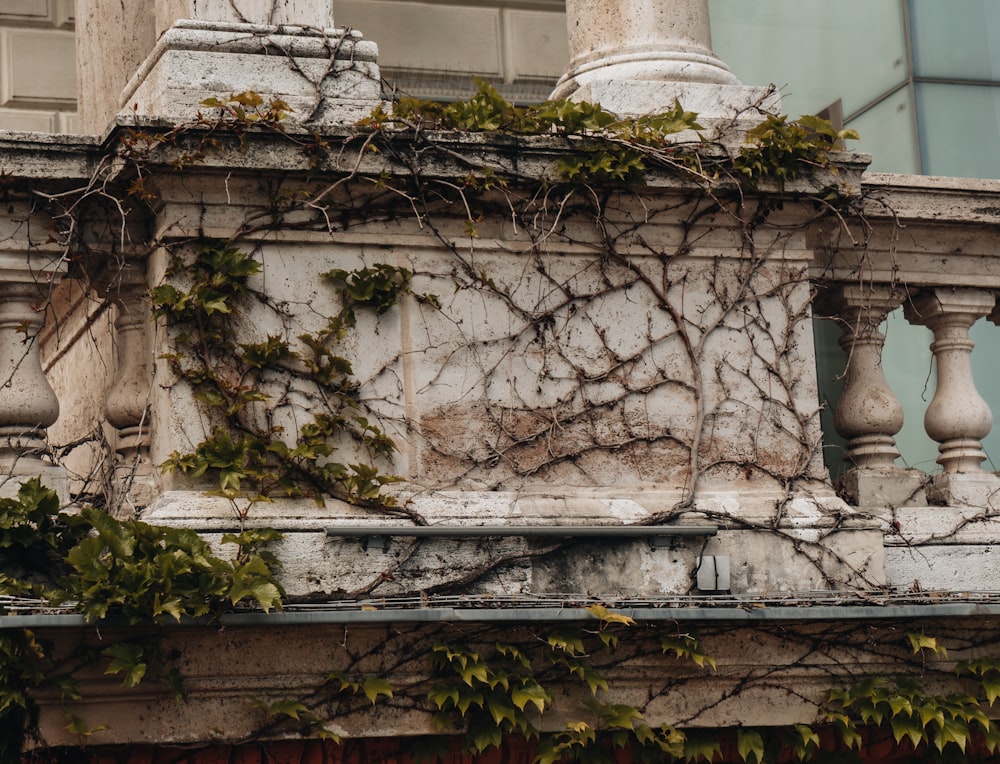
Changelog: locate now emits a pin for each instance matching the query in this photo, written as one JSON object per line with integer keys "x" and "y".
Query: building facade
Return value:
{"x": 502, "y": 391}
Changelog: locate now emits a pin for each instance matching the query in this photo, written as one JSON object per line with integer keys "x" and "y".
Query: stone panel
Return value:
{"x": 19, "y": 10}
{"x": 65, "y": 12}
{"x": 38, "y": 67}
{"x": 536, "y": 44}
{"x": 28, "y": 120}
{"x": 429, "y": 38}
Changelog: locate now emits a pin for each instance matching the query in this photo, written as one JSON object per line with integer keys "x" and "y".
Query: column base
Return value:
{"x": 15, "y": 471}
{"x": 883, "y": 488}
{"x": 328, "y": 77}
{"x": 714, "y": 103}
{"x": 973, "y": 489}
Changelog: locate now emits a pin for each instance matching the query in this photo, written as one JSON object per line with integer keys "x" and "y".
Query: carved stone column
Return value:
{"x": 637, "y": 56}
{"x": 957, "y": 418}
{"x": 135, "y": 484}
{"x": 28, "y": 405}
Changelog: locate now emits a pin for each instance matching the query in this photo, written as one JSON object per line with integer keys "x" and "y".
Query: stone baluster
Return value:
{"x": 957, "y": 418}
{"x": 28, "y": 404}
{"x": 868, "y": 413}
{"x": 127, "y": 406}
{"x": 637, "y": 56}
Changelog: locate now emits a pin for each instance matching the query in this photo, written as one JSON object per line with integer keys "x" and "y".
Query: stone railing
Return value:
{"x": 923, "y": 244}
{"x": 928, "y": 247}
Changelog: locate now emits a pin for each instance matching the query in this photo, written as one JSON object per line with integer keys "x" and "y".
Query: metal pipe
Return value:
{"x": 748, "y": 614}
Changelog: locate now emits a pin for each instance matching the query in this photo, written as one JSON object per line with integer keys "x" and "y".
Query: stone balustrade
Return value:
{"x": 928, "y": 251}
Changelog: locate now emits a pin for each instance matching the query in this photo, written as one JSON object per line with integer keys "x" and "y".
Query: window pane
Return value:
{"x": 958, "y": 39}
{"x": 889, "y": 135}
{"x": 959, "y": 125}
{"x": 853, "y": 50}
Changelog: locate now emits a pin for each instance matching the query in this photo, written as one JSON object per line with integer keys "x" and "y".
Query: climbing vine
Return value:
{"x": 246, "y": 449}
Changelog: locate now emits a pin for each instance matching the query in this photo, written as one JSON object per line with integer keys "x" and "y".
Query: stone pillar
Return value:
{"x": 162, "y": 58}
{"x": 28, "y": 405}
{"x": 307, "y": 13}
{"x": 135, "y": 484}
{"x": 957, "y": 418}
{"x": 637, "y": 56}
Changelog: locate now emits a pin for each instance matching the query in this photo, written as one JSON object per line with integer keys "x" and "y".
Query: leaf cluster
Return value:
{"x": 246, "y": 109}
{"x": 606, "y": 147}
{"x": 492, "y": 695}
{"x": 35, "y": 538}
{"x": 936, "y": 722}
{"x": 111, "y": 568}
{"x": 141, "y": 571}
{"x": 780, "y": 150}
{"x": 504, "y": 688}
{"x": 201, "y": 300}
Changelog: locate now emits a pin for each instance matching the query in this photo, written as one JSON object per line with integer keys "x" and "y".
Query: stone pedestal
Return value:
{"x": 163, "y": 59}
{"x": 884, "y": 487}
{"x": 328, "y": 77}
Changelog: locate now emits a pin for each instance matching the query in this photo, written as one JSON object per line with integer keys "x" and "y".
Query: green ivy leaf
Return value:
{"x": 530, "y": 692}
{"x": 750, "y": 746}
{"x": 128, "y": 657}
{"x": 905, "y": 725}
{"x": 78, "y": 726}
{"x": 374, "y": 687}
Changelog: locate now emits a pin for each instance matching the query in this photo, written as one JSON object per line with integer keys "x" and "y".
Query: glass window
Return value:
{"x": 956, "y": 39}
{"x": 888, "y": 133}
{"x": 854, "y": 51}
{"x": 985, "y": 369}
{"x": 959, "y": 125}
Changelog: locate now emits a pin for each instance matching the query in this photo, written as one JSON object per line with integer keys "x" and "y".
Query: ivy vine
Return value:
{"x": 136, "y": 572}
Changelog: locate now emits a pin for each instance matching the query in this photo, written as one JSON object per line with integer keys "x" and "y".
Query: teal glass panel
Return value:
{"x": 908, "y": 365}
{"x": 986, "y": 372}
{"x": 817, "y": 52}
{"x": 829, "y": 376}
{"x": 956, "y": 39}
{"x": 959, "y": 129}
{"x": 888, "y": 133}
